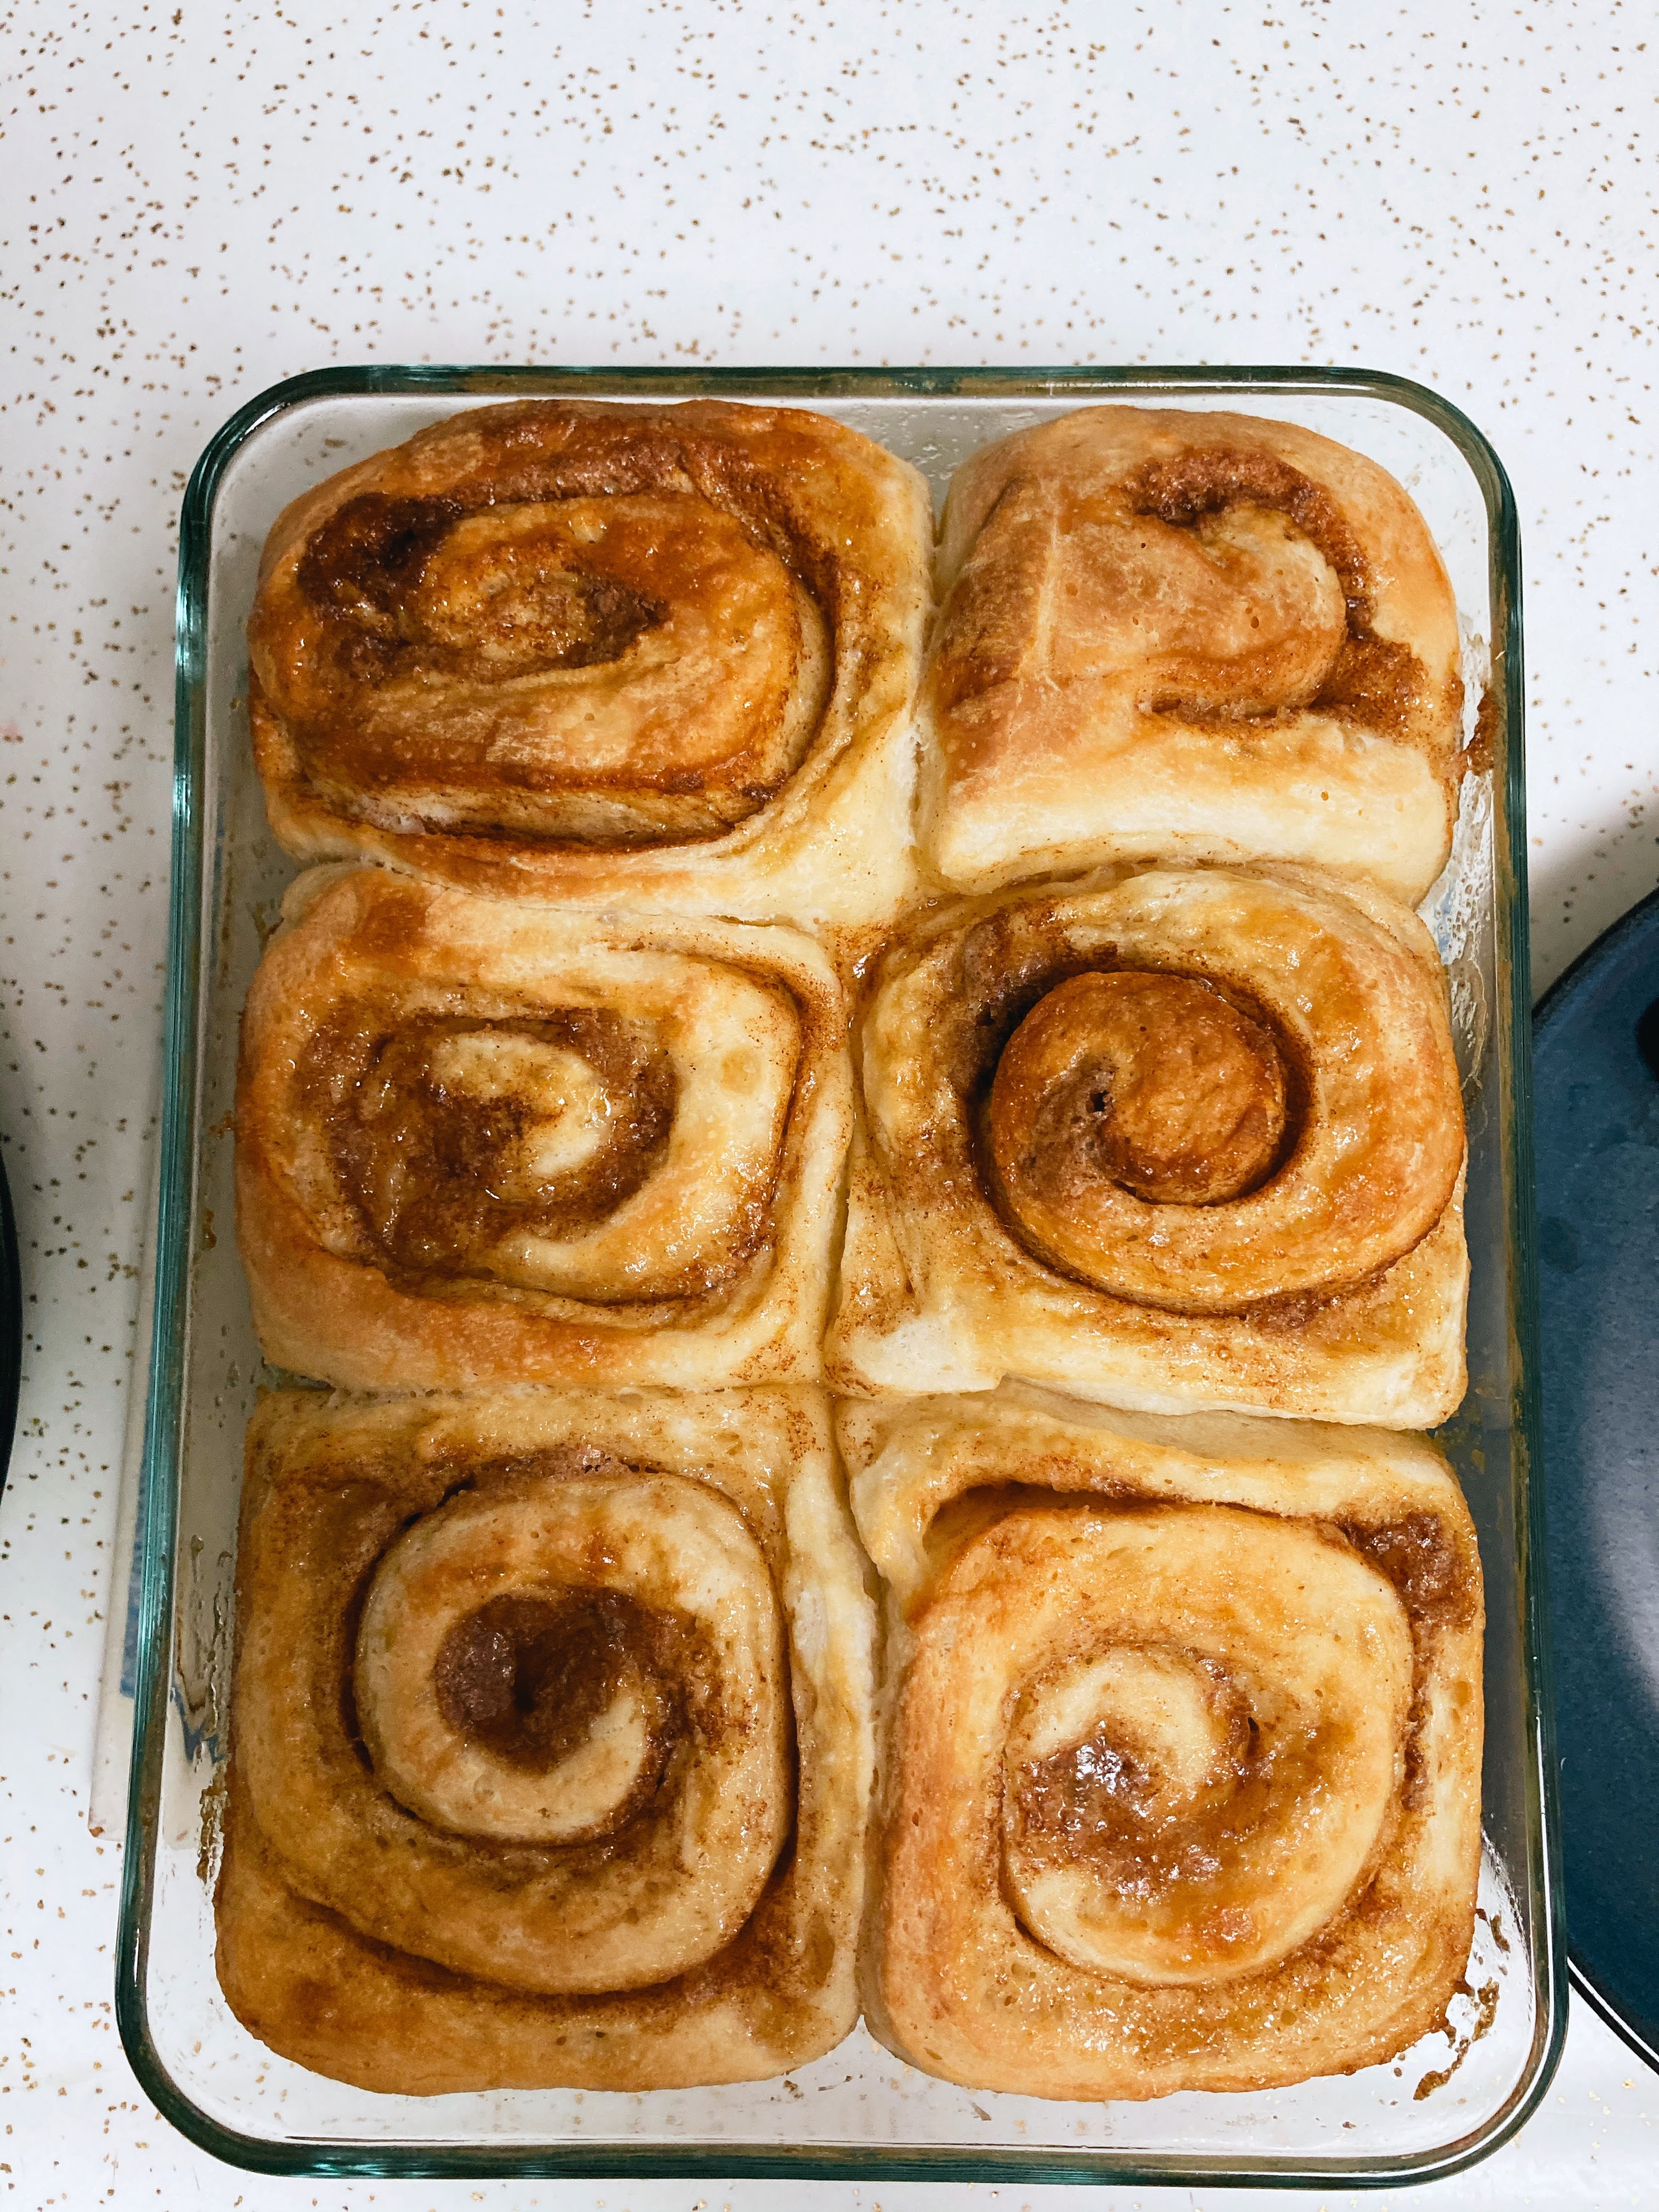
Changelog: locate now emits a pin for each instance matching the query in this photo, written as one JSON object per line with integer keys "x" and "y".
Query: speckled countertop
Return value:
{"x": 196, "y": 201}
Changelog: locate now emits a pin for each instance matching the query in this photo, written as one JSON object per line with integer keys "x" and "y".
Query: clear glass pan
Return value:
{"x": 859, "y": 2113}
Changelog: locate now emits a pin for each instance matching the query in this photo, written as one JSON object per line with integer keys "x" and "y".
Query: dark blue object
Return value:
{"x": 1596, "y": 1106}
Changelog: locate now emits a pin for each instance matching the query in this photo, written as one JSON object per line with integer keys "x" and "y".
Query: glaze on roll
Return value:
{"x": 664, "y": 656}
{"x": 1171, "y": 1137}
{"x": 520, "y": 1691}
{"x": 1189, "y": 636}
{"x": 1180, "y": 1779}
{"x": 487, "y": 1140}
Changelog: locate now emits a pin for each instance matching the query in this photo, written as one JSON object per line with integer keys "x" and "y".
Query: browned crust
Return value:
{"x": 779, "y": 1993}
{"x": 1085, "y": 702}
{"x": 342, "y": 1320}
{"x": 950, "y": 1980}
{"x": 935, "y": 1291}
{"x": 830, "y": 848}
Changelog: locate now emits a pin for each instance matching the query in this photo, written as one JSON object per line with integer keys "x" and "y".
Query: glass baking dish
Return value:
{"x": 858, "y": 2113}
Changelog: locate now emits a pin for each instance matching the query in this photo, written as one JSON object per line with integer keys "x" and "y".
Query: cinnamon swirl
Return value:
{"x": 490, "y": 1140}
{"x": 660, "y": 656}
{"x": 1193, "y": 636}
{"x": 1180, "y": 1778}
{"x": 1177, "y": 1138}
{"x": 550, "y": 1740}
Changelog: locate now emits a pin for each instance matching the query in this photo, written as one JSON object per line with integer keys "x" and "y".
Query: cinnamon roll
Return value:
{"x": 550, "y": 1740}
{"x": 1181, "y": 1776}
{"x": 1192, "y": 637}
{"x": 660, "y": 656}
{"x": 1173, "y": 1138}
{"x": 490, "y": 1140}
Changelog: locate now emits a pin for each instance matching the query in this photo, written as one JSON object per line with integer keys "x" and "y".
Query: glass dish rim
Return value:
{"x": 158, "y": 1493}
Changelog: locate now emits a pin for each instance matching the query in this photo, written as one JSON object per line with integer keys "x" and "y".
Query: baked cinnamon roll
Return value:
{"x": 1176, "y": 1139}
{"x": 659, "y": 656}
{"x": 1192, "y": 637}
{"x": 1180, "y": 1779}
{"x": 487, "y": 1140}
{"x": 550, "y": 1740}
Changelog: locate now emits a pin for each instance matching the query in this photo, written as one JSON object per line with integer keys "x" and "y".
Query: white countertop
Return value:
{"x": 198, "y": 202}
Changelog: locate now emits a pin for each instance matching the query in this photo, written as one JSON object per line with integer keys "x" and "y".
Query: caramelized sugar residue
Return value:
{"x": 1486, "y": 2003}
{"x": 428, "y": 1166}
{"x": 1079, "y": 1794}
{"x": 371, "y": 554}
{"x": 1418, "y": 1558}
{"x": 365, "y": 567}
{"x": 1098, "y": 1800}
{"x": 1378, "y": 683}
{"x": 1204, "y": 479}
{"x": 528, "y": 1676}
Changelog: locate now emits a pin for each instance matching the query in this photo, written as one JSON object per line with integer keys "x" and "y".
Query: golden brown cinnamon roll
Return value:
{"x": 661, "y": 656}
{"x": 550, "y": 1740}
{"x": 1181, "y": 1771}
{"x": 1175, "y": 1139}
{"x": 488, "y": 1140}
{"x": 1189, "y": 636}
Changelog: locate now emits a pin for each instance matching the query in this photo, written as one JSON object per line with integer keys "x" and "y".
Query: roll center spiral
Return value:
{"x": 1137, "y": 1732}
{"x": 1198, "y": 1090}
{"x": 562, "y": 1096}
{"x": 555, "y": 1656}
{"x": 1194, "y": 488}
{"x": 518, "y": 594}
{"x": 547, "y": 1714}
{"x": 457, "y": 1136}
{"x": 562, "y": 1686}
{"x": 1198, "y": 1716}
{"x": 514, "y": 591}
{"x": 1155, "y": 1083}
{"x": 1125, "y": 1774}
